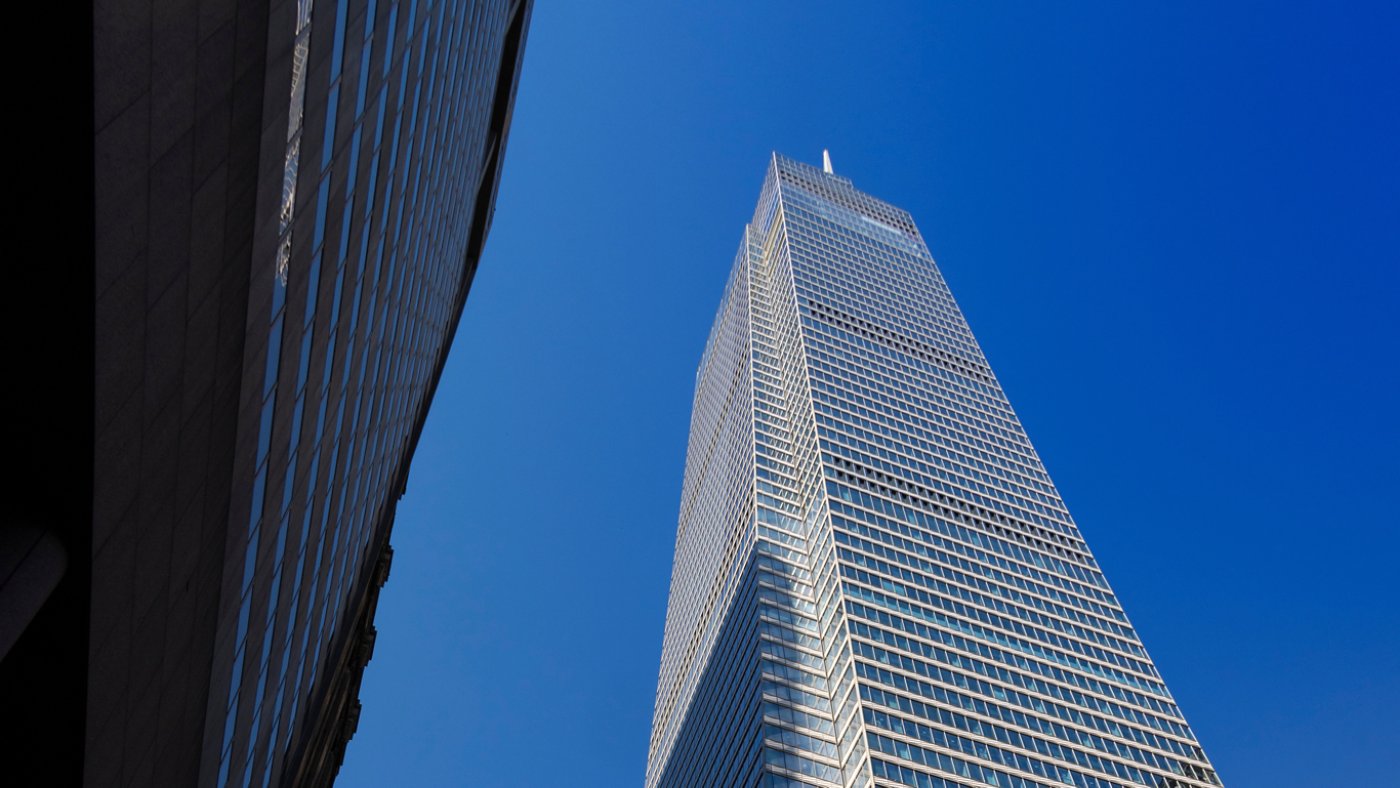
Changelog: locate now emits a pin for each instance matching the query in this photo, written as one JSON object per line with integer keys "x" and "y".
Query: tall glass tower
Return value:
{"x": 875, "y": 581}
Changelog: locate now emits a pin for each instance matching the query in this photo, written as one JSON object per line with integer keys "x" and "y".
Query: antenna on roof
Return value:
{"x": 826, "y": 162}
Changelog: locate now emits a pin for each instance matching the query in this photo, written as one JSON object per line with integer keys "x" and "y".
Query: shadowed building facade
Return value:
{"x": 875, "y": 581}
{"x": 290, "y": 200}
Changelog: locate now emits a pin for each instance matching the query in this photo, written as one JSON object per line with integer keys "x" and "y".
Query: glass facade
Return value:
{"x": 875, "y": 580}
{"x": 393, "y": 138}
{"x": 290, "y": 202}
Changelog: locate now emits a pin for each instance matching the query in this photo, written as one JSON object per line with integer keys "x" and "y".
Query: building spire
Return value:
{"x": 826, "y": 162}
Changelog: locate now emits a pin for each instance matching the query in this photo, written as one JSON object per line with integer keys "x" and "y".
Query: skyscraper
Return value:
{"x": 289, "y": 202}
{"x": 875, "y": 581}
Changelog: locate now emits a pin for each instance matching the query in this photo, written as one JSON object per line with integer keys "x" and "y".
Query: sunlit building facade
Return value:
{"x": 875, "y": 581}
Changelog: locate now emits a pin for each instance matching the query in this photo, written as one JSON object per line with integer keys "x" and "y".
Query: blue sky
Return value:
{"x": 1175, "y": 230}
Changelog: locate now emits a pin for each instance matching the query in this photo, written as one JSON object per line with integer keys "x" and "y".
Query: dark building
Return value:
{"x": 290, "y": 199}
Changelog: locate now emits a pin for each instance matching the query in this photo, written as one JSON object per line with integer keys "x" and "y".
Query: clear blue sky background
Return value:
{"x": 1175, "y": 230}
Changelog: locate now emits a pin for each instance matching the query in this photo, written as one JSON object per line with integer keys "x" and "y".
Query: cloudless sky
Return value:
{"x": 1175, "y": 230}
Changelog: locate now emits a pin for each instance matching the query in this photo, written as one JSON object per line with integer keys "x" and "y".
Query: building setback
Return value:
{"x": 290, "y": 200}
{"x": 875, "y": 581}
